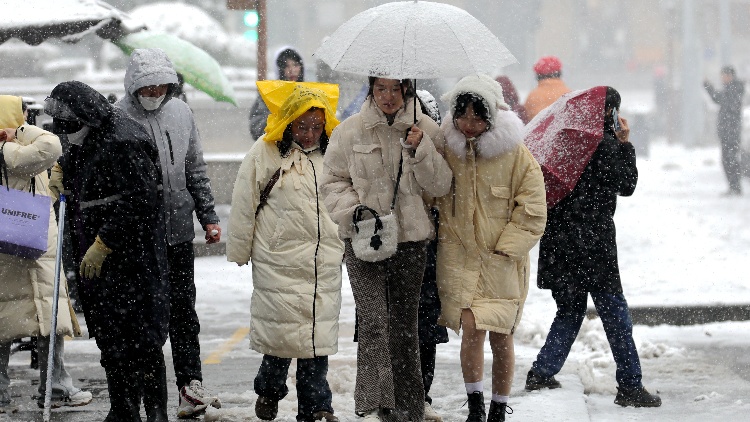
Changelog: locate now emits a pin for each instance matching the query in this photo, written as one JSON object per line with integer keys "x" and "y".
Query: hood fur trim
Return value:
{"x": 504, "y": 136}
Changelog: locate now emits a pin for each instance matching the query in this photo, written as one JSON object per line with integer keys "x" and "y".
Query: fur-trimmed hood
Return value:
{"x": 503, "y": 137}
{"x": 484, "y": 87}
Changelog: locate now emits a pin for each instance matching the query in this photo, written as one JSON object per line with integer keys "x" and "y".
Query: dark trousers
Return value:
{"x": 427, "y": 354}
{"x": 388, "y": 363}
{"x": 184, "y": 326}
{"x": 730, "y": 151}
{"x": 571, "y": 309}
{"x": 313, "y": 392}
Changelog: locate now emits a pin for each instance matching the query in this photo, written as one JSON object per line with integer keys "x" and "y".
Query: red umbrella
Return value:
{"x": 564, "y": 136}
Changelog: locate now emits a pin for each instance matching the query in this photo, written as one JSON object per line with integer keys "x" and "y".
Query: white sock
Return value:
{"x": 474, "y": 387}
{"x": 500, "y": 399}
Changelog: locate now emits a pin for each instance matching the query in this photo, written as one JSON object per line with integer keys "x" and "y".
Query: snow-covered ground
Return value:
{"x": 680, "y": 243}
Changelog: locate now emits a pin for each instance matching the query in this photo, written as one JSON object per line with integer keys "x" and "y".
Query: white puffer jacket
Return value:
{"x": 295, "y": 252}
{"x": 362, "y": 167}
{"x": 26, "y": 285}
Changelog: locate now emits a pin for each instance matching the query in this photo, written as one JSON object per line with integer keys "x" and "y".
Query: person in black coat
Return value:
{"x": 729, "y": 124}
{"x": 578, "y": 257}
{"x": 110, "y": 170}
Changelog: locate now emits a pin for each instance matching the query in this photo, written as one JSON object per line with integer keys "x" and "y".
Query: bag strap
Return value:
{"x": 3, "y": 168}
{"x": 4, "y": 172}
{"x": 398, "y": 181}
{"x": 357, "y": 217}
{"x": 267, "y": 190}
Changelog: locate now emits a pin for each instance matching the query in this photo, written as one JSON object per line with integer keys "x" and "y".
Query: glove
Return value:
{"x": 91, "y": 265}
{"x": 56, "y": 181}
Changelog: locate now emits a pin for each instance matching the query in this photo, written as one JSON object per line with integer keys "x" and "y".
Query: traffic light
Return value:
{"x": 251, "y": 19}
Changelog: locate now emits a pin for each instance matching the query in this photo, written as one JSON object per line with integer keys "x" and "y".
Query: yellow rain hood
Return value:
{"x": 288, "y": 100}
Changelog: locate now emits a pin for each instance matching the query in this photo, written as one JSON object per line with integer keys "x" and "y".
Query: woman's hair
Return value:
{"x": 611, "y": 101}
{"x": 462, "y": 103}
{"x": 613, "y": 98}
{"x": 407, "y": 90}
{"x": 285, "y": 144}
{"x": 281, "y": 63}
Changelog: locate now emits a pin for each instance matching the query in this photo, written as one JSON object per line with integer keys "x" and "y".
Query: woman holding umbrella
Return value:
{"x": 493, "y": 215}
{"x": 367, "y": 155}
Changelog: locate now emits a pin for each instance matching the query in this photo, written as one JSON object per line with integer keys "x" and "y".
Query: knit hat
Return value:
{"x": 547, "y": 65}
{"x": 484, "y": 87}
{"x": 288, "y": 100}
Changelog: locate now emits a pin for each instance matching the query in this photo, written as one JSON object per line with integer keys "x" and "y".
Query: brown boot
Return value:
{"x": 324, "y": 416}
{"x": 266, "y": 409}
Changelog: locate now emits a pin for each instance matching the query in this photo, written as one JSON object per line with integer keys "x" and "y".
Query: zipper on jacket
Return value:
{"x": 519, "y": 304}
{"x": 317, "y": 247}
{"x": 453, "y": 190}
{"x": 169, "y": 141}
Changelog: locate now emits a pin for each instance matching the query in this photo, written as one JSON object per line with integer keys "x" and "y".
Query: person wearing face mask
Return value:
{"x": 26, "y": 291}
{"x": 150, "y": 85}
{"x": 110, "y": 173}
{"x": 279, "y": 224}
{"x": 368, "y": 153}
{"x": 289, "y": 67}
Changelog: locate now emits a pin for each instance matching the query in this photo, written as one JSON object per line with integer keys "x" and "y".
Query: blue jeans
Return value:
{"x": 571, "y": 309}
{"x": 313, "y": 392}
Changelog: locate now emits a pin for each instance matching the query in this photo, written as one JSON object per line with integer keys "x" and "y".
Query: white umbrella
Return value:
{"x": 37, "y": 20}
{"x": 414, "y": 39}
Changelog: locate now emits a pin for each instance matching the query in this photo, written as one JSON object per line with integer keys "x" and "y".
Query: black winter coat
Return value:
{"x": 579, "y": 247}
{"x": 729, "y": 122}
{"x": 113, "y": 178}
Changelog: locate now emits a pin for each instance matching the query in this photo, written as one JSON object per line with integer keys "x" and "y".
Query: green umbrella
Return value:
{"x": 197, "y": 67}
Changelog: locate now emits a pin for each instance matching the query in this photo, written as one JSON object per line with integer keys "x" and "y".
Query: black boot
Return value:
{"x": 498, "y": 411}
{"x": 155, "y": 388}
{"x": 476, "y": 407}
{"x": 124, "y": 395}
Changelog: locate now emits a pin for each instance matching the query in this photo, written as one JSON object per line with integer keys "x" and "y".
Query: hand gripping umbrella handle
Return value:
{"x": 55, "y": 298}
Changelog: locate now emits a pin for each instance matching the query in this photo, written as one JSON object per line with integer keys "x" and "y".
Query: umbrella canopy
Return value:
{"x": 564, "y": 136}
{"x": 37, "y": 20}
{"x": 197, "y": 67}
{"x": 414, "y": 39}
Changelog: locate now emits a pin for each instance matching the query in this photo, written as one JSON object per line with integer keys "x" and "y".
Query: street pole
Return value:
{"x": 691, "y": 108}
{"x": 725, "y": 28}
{"x": 262, "y": 39}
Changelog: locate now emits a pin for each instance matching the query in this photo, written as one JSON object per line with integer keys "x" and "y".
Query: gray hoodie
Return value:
{"x": 186, "y": 187}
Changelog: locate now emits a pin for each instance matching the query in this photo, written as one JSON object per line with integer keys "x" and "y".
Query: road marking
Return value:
{"x": 215, "y": 357}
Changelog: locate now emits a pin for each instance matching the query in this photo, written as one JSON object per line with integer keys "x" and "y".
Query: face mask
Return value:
{"x": 76, "y": 138}
{"x": 151, "y": 103}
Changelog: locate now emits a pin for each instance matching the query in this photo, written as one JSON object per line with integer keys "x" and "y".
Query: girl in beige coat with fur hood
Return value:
{"x": 493, "y": 215}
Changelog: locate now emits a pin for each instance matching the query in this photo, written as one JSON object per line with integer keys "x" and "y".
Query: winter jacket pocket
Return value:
{"x": 501, "y": 278}
{"x": 499, "y": 202}
{"x": 367, "y": 161}
{"x": 181, "y": 217}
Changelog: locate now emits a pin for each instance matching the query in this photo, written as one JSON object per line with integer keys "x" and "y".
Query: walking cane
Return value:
{"x": 55, "y": 298}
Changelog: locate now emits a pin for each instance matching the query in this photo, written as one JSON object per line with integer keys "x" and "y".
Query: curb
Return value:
{"x": 684, "y": 315}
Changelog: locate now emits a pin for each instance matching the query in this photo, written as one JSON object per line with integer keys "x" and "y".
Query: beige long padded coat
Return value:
{"x": 295, "y": 252}
{"x": 496, "y": 203}
{"x": 26, "y": 285}
{"x": 362, "y": 166}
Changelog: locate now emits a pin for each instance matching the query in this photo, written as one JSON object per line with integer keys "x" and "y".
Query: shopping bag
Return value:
{"x": 24, "y": 221}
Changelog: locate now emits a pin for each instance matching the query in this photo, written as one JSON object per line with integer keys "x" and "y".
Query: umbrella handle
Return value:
{"x": 55, "y": 299}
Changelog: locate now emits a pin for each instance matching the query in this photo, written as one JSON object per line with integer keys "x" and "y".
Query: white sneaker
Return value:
{"x": 430, "y": 414}
{"x": 194, "y": 399}
{"x": 80, "y": 398}
{"x": 372, "y": 416}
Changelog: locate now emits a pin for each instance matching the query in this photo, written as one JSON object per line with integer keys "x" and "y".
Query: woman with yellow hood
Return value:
{"x": 27, "y": 285}
{"x": 279, "y": 222}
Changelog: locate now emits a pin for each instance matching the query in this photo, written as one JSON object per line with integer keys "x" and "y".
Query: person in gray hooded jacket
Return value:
{"x": 150, "y": 84}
